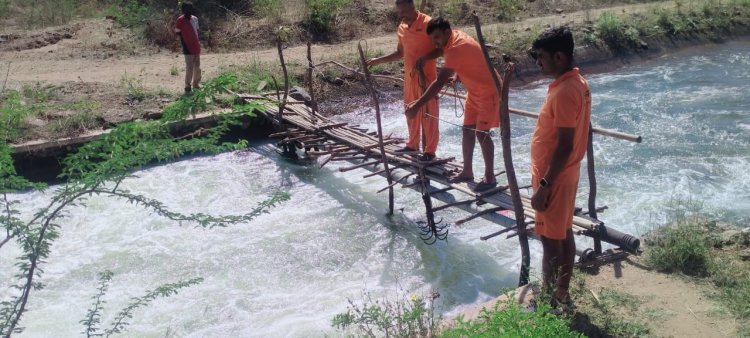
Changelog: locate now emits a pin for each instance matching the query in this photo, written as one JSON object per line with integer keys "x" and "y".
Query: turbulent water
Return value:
{"x": 288, "y": 272}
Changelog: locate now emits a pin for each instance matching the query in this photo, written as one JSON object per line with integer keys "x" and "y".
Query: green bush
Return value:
{"x": 613, "y": 31}
{"x": 506, "y": 9}
{"x": 679, "y": 248}
{"x": 322, "y": 14}
{"x": 513, "y": 321}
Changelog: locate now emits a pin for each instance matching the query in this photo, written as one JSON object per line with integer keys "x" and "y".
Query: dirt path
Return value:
{"x": 95, "y": 55}
{"x": 669, "y": 305}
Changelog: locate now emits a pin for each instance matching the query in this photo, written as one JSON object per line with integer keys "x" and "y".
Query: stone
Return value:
{"x": 643, "y": 44}
{"x": 116, "y": 116}
{"x": 300, "y": 94}
{"x": 730, "y": 237}
{"x": 558, "y": 10}
{"x": 745, "y": 255}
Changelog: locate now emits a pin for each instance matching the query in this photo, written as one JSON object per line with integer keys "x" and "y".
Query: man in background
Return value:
{"x": 187, "y": 28}
{"x": 413, "y": 43}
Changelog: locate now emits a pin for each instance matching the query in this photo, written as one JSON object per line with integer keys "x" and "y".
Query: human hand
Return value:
{"x": 420, "y": 63}
{"x": 540, "y": 200}
{"x": 372, "y": 62}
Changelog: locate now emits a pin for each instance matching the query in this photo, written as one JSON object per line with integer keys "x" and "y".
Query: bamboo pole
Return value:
{"x": 374, "y": 96}
{"x": 592, "y": 185}
{"x": 502, "y": 90}
{"x": 282, "y": 103}
{"x": 311, "y": 84}
{"x": 449, "y": 93}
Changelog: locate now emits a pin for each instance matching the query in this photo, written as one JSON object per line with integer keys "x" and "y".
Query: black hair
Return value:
{"x": 405, "y": 2}
{"x": 553, "y": 40}
{"x": 188, "y": 8}
{"x": 438, "y": 23}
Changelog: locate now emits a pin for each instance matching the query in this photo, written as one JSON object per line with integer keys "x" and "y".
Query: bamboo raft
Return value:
{"x": 325, "y": 140}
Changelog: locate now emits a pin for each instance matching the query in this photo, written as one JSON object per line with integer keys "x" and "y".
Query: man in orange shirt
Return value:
{"x": 413, "y": 42}
{"x": 557, "y": 148}
{"x": 464, "y": 57}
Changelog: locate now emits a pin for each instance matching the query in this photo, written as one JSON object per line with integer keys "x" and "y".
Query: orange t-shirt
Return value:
{"x": 464, "y": 55}
{"x": 416, "y": 43}
{"x": 568, "y": 105}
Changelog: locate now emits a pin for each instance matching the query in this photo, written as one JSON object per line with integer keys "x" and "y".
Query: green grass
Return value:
{"x": 40, "y": 92}
{"x": 44, "y": 13}
{"x": 258, "y": 77}
{"x": 13, "y": 113}
{"x": 75, "y": 124}
{"x": 683, "y": 248}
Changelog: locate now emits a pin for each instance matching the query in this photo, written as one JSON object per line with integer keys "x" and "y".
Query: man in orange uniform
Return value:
{"x": 557, "y": 148}
{"x": 464, "y": 57}
{"x": 413, "y": 42}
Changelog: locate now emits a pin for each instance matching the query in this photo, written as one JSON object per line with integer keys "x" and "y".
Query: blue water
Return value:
{"x": 287, "y": 273}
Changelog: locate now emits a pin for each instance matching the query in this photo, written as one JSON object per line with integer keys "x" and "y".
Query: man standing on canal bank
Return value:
{"x": 413, "y": 43}
{"x": 557, "y": 148}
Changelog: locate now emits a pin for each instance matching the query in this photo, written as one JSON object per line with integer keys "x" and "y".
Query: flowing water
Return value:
{"x": 288, "y": 272}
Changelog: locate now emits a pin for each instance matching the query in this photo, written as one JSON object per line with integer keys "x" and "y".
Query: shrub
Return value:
{"x": 613, "y": 31}
{"x": 414, "y": 317}
{"x": 506, "y": 9}
{"x": 322, "y": 14}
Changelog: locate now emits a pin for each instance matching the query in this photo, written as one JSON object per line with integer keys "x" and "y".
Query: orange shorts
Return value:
{"x": 482, "y": 111}
{"x": 554, "y": 222}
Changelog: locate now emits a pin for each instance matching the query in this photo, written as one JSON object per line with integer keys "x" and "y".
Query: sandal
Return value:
{"x": 460, "y": 179}
{"x": 482, "y": 186}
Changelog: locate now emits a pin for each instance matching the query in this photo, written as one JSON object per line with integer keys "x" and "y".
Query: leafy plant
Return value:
{"x": 133, "y": 88}
{"x": 509, "y": 319}
{"x": 92, "y": 321}
{"x": 414, "y": 317}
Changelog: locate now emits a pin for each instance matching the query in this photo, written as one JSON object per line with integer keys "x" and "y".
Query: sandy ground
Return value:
{"x": 99, "y": 52}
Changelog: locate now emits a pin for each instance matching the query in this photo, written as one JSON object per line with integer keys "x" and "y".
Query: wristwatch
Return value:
{"x": 543, "y": 183}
